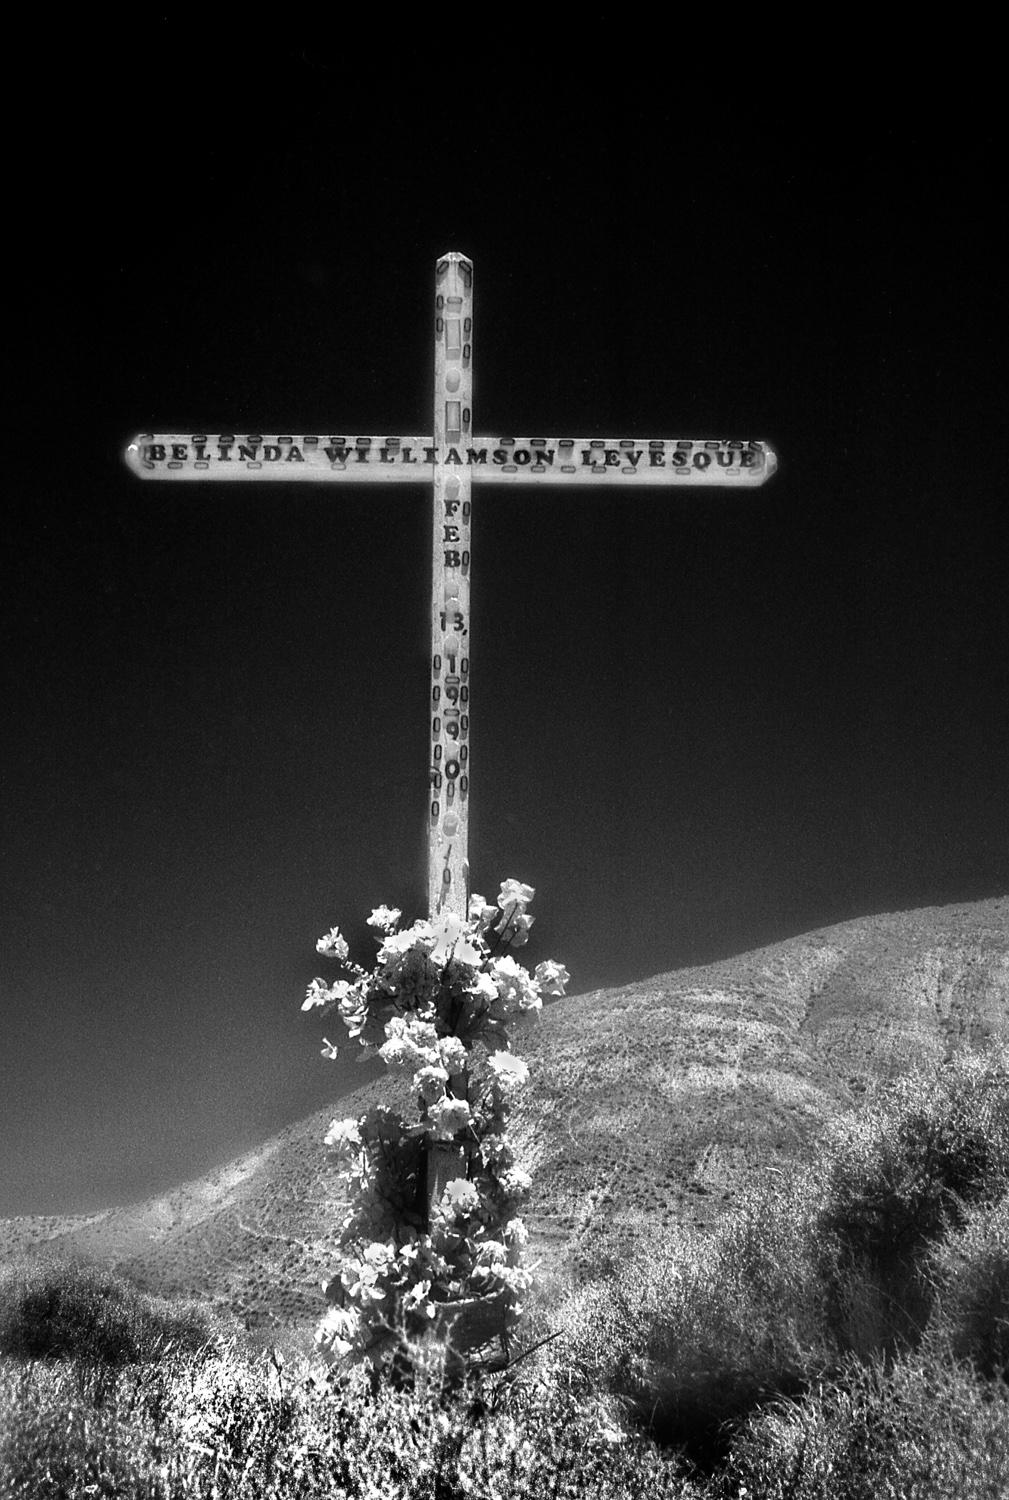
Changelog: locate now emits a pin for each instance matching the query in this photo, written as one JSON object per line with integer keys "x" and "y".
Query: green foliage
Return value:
{"x": 910, "y": 1162}
{"x": 920, "y": 1430}
{"x": 63, "y": 1434}
{"x": 697, "y": 1330}
{"x": 224, "y": 1425}
{"x": 54, "y": 1309}
{"x": 777, "y": 1350}
{"x": 895, "y": 1180}
{"x": 971, "y": 1271}
{"x": 841, "y": 1258}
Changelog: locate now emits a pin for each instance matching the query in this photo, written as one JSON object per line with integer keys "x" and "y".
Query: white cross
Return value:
{"x": 453, "y": 459}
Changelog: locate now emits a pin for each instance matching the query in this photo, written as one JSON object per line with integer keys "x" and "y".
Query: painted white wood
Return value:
{"x": 448, "y": 807}
{"x": 487, "y": 460}
{"x": 452, "y": 460}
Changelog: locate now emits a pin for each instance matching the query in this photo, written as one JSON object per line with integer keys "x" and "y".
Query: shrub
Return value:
{"x": 920, "y": 1430}
{"x": 831, "y": 1260}
{"x": 897, "y": 1177}
{"x": 59, "y": 1309}
{"x": 225, "y": 1426}
{"x": 698, "y": 1329}
{"x": 971, "y": 1273}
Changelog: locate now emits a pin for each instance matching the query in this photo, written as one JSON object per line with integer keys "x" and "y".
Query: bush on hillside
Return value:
{"x": 54, "y": 1309}
{"x": 971, "y": 1274}
{"x": 896, "y": 1178}
{"x": 918, "y": 1428}
{"x": 834, "y": 1260}
{"x": 699, "y": 1329}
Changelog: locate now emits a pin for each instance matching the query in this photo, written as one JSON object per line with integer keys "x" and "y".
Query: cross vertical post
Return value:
{"x": 448, "y": 810}
{"x": 451, "y": 521}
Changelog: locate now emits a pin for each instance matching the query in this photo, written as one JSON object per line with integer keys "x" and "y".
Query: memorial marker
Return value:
{"x": 453, "y": 460}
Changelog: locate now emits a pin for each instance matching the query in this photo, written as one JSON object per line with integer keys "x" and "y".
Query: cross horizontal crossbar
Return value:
{"x": 485, "y": 460}
{"x": 452, "y": 459}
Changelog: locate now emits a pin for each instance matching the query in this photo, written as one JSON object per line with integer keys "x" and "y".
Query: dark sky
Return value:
{"x": 703, "y": 721}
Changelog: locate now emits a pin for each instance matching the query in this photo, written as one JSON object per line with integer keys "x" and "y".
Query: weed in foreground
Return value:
{"x": 227, "y": 1426}
{"x": 919, "y": 1430}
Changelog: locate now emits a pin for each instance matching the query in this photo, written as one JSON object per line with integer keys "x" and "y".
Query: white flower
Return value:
{"x": 420, "y": 936}
{"x": 344, "y": 1139}
{"x": 453, "y": 1053}
{"x": 394, "y": 1054}
{"x": 416, "y": 1298}
{"x": 514, "y": 893}
{"x": 395, "y": 944}
{"x": 405, "y": 969}
{"x": 431, "y": 1082}
{"x": 452, "y": 940}
{"x": 516, "y": 1232}
{"x": 423, "y": 1034}
{"x": 483, "y": 986}
{"x": 328, "y": 1050}
{"x": 516, "y": 929}
{"x": 552, "y": 977}
{"x": 362, "y": 1278}
{"x": 337, "y": 1331}
{"x": 515, "y": 1182}
{"x": 362, "y": 1283}
{"x": 481, "y": 912}
{"x": 316, "y": 994}
{"x": 333, "y": 945}
{"x": 510, "y": 1071}
{"x": 461, "y": 1196}
{"x": 412, "y": 1043}
{"x": 385, "y": 917}
{"x": 319, "y": 993}
{"x": 448, "y": 1116}
{"x": 514, "y": 986}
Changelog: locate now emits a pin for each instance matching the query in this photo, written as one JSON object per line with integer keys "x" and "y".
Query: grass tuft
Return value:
{"x": 913, "y": 1428}
{"x": 971, "y": 1278}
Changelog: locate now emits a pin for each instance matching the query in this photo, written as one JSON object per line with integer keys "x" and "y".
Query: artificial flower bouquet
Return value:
{"x": 434, "y": 1219}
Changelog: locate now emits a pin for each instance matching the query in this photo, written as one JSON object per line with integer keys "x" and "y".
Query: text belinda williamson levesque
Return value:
{"x": 227, "y": 455}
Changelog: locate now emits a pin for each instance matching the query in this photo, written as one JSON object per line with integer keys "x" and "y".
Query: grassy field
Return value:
{"x": 843, "y": 1332}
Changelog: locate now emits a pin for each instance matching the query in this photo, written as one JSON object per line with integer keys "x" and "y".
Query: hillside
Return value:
{"x": 650, "y": 1103}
